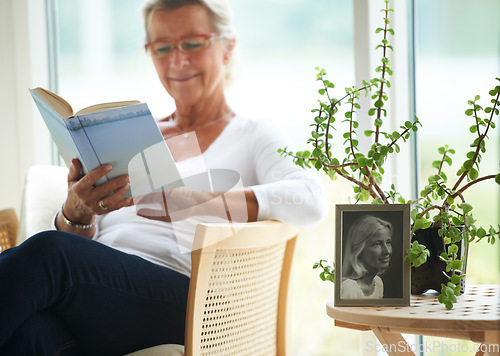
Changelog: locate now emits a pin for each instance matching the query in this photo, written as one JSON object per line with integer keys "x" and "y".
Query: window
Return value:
{"x": 457, "y": 57}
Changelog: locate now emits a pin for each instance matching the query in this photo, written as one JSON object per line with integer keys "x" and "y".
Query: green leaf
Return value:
{"x": 442, "y": 298}
{"x": 452, "y": 249}
{"x": 419, "y": 224}
{"x": 455, "y": 279}
{"x": 466, "y": 208}
{"x": 457, "y": 221}
{"x": 473, "y": 174}
{"x": 469, "y": 112}
{"x": 468, "y": 164}
{"x": 316, "y": 152}
{"x": 481, "y": 232}
{"x": 449, "y": 292}
{"x": 456, "y": 264}
{"x": 361, "y": 161}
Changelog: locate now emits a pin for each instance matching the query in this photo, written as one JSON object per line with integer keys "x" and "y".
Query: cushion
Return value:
{"x": 44, "y": 193}
{"x": 160, "y": 350}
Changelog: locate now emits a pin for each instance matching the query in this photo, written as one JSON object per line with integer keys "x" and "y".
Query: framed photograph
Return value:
{"x": 370, "y": 244}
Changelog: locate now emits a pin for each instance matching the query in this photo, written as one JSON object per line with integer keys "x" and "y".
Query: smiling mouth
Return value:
{"x": 384, "y": 260}
{"x": 183, "y": 78}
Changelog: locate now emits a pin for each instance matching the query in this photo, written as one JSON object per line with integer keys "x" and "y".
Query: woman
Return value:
{"x": 367, "y": 254}
{"x": 113, "y": 280}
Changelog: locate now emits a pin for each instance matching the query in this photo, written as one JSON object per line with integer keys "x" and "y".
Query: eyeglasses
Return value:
{"x": 160, "y": 49}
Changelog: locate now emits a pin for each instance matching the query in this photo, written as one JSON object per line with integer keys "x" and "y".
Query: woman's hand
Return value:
{"x": 85, "y": 200}
{"x": 182, "y": 203}
{"x": 173, "y": 205}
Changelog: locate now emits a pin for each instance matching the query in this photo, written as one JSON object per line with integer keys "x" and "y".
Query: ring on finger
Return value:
{"x": 101, "y": 205}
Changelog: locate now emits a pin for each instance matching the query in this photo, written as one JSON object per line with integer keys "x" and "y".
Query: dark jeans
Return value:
{"x": 62, "y": 294}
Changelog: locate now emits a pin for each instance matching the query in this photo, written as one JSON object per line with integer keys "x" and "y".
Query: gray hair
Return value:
{"x": 219, "y": 11}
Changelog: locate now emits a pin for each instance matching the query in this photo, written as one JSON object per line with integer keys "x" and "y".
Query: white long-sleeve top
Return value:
{"x": 284, "y": 192}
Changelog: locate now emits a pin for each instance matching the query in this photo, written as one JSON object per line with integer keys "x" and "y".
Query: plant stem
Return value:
{"x": 333, "y": 104}
{"x": 468, "y": 185}
{"x": 374, "y": 184}
{"x": 480, "y": 139}
{"x": 393, "y": 142}
{"x": 351, "y": 179}
{"x": 351, "y": 128}
{"x": 379, "y": 110}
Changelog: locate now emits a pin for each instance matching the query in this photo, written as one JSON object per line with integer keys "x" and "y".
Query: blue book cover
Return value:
{"x": 123, "y": 134}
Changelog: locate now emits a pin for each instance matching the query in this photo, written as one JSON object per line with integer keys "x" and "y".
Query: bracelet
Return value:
{"x": 71, "y": 223}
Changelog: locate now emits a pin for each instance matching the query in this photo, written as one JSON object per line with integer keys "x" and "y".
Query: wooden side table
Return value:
{"x": 475, "y": 317}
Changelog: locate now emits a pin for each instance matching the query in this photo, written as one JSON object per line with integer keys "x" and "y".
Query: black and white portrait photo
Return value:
{"x": 370, "y": 244}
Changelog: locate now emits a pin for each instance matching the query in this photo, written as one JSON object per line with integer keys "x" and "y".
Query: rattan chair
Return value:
{"x": 239, "y": 286}
{"x": 8, "y": 228}
{"x": 238, "y": 294}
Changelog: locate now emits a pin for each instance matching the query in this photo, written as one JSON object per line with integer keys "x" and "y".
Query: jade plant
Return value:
{"x": 442, "y": 204}
{"x": 439, "y": 204}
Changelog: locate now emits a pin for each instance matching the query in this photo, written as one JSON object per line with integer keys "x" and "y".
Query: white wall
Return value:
{"x": 23, "y": 64}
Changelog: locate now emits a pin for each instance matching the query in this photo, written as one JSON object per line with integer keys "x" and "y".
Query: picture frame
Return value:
{"x": 370, "y": 244}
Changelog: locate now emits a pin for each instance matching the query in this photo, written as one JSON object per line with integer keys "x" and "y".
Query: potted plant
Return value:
{"x": 439, "y": 204}
{"x": 452, "y": 220}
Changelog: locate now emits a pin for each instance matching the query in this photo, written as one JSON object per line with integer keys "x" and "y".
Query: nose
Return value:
{"x": 178, "y": 59}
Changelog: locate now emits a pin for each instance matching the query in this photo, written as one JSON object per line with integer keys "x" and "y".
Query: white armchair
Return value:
{"x": 45, "y": 190}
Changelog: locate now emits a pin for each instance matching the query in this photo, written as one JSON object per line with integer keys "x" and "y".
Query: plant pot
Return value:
{"x": 429, "y": 276}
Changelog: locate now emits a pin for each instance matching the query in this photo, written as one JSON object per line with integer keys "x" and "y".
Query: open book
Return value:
{"x": 123, "y": 134}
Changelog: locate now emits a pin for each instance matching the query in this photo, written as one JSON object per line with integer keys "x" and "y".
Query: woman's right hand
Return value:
{"x": 85, "y": 200}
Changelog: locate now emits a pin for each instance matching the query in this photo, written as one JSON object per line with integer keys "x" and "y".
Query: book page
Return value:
{"x": 106, "y": 106}
{"x": 55, "y": 101}
{"x": 65, "y": 110}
